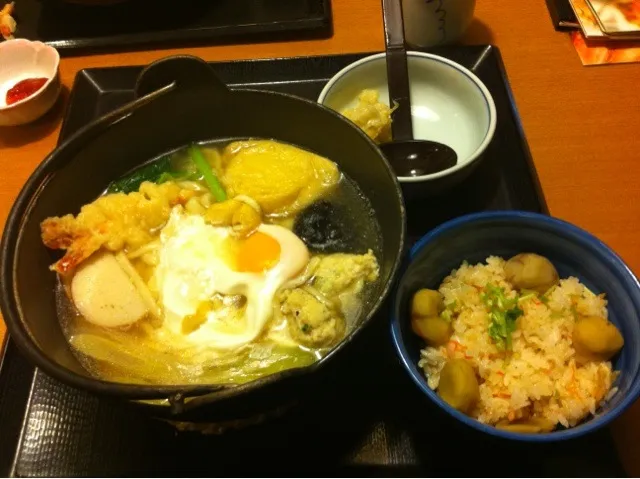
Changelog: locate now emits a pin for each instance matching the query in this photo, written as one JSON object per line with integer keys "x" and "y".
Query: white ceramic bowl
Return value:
{"x": 449, "y": 104}
{"x": 21, "y": 59}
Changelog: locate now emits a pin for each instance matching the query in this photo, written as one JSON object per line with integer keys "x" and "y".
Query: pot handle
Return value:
{"x": 183, "y": 71}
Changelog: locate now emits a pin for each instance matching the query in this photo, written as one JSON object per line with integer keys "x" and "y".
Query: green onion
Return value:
{"x": 447, "y": 315}
{"x": 503, "y": 313}
{"x": 449, "y": 311}
{"x": 545, "y": 297}
{"x": 207, "y": 172}
{"x": 527, "y": 296}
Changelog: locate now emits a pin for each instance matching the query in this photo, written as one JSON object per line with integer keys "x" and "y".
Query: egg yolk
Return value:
{"x": 257, "y": 253}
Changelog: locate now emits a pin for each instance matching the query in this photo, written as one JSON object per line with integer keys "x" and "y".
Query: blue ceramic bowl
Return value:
{"x": 573, "y": 251}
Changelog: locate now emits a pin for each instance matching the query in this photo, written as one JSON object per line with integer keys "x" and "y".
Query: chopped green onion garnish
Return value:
{"x": 527, "y": 296}
{"x": 503, "y": 313}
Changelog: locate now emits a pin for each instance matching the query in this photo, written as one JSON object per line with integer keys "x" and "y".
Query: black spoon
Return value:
{"x": 408, "y": 157}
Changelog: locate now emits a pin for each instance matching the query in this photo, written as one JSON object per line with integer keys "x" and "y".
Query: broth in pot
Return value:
{"x": 215, "y": 264}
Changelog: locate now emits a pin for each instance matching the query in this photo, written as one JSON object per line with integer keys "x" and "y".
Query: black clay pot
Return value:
{"x": 179, "y": 101}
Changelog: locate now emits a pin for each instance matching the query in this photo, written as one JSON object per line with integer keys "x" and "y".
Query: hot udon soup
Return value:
{"x": 217, "y": 263}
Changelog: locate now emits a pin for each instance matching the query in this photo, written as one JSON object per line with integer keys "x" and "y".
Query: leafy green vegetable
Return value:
{"x": 503, "y": 313}
{"x": 167, "y": 168}
{"x": 164, "y": 177}
{"x": 150, "y": 172}
{"x": 207, "y": 172}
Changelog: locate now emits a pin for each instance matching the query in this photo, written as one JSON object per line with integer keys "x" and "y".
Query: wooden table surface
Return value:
{"x": 580, "y": 122}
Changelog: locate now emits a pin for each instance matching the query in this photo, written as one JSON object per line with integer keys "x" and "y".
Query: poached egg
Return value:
{"x": 197, "y": 261}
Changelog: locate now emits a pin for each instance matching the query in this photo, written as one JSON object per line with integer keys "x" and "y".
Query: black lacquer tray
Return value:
{"x": 366, "y": 420}
{"x": 77, "y": 29}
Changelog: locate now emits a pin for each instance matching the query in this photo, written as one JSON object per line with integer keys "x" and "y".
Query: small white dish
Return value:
{"x": 21, "y": 59}
{"x": 449, "y": 104}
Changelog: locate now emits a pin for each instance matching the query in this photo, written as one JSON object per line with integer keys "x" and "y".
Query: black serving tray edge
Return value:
{"x": 312, "y": 27}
